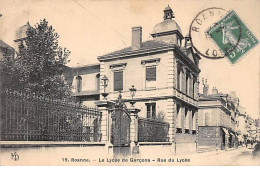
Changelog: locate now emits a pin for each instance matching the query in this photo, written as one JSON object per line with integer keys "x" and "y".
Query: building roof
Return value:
{"x": 168, "y": 8}
{"x": 4, "y": 45}
{"x": 88, "y": 65}
{"x": 212, "y": 96}
{"x": 165, "y": 26}
{"x": 145, "y": 45}
{"x": 21, "y": 31}
{"x": 6, "y": 50}
{"x": 242, "y": 111}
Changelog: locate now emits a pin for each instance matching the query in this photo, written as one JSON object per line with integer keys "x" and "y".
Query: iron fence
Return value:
{"x": 151, "y": 130}
{"x": 32, "y": 118}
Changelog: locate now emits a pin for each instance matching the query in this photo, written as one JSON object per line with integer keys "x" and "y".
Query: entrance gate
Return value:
{"x": 120, "y": 132}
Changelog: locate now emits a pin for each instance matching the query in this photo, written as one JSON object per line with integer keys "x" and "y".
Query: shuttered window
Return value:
{"x": 191, "y": 87}
{"x": 79, "y": 83}
{"x": 178, "y": 79}
{"x": 118, "y": 80}
{"x": 186, "y": 119}
{"x": 187, "y": 84}
{"x": 194, "y": 87}
{"x": 150, "y": 73}
{"x": 193, "y": 120}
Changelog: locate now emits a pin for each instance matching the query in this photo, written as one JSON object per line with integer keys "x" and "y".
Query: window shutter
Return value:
{"x": 187, "y": 84}
{"x": 178, "y": 117}
{"x": 178, "y": 79}
{"x": 153, "y": 110}
{"x": 151, "y": 73}
{"x": 194, "y": 87}
{"x": 191, "y": 88}
{"x": 193, "y": 120}
{"x": 148, "y": 109}
{"x": 79, "y": 83}
{"x": 183, "y": 82}
{"x": 118, "y": 80}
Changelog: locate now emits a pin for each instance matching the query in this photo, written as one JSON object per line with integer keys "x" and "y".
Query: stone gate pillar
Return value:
{"x": 106, "y": 122}
{"x": 133, "y": 126}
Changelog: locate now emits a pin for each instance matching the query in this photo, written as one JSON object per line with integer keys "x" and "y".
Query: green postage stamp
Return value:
{"x": 232, "y": 36}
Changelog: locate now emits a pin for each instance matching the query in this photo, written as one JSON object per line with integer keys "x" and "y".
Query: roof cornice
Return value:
{"x": 149, "y": 51}
{"x": 134, "y": 53}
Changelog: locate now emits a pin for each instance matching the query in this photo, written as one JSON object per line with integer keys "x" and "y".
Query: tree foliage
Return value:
{"x": 39, "y": 66}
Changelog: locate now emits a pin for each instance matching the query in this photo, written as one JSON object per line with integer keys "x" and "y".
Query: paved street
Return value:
{"x": 240, "y": 156}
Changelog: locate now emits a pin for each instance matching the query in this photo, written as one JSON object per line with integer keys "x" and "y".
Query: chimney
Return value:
{"x": 136, "y": 37}
{"x": 214, "y": 90}
{"x": 188, "y": 42}
{"x": 237, "y": 101}
{"x": 205, "y": 87}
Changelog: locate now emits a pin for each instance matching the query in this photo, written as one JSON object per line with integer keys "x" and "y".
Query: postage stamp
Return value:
{"x": 200, "y": 40}
{"x": 232, "y": 36}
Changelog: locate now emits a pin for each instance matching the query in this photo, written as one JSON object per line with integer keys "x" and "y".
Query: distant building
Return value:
{"x": 20, "y": 36}
{"x": 251, "y": 129}
{"x": 85, "y": 82}
{"x": 5, "y": 50}
{"x": 242, "y": 124}
{"x": 217, "y": 119}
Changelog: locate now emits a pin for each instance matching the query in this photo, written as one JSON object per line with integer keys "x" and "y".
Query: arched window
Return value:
{"x": 79, "y": 83}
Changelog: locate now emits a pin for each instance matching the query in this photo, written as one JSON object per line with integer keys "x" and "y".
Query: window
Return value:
{"x": 118, "y": 80}
{"x": 151, "y": 110}
{"x": 194, "y": 125}
{"x": 79, "y": 83}
{"x": 151, "y": 77}
{"x": 178, "y": 79}
{"x": 97, "y": 82}
{"x": 178, "y": 119}
{"x": 194, "y": 87}
{"x": 191, "y": 88}
{"x": 187, "y": 120}
{"x": 187, "y": 84}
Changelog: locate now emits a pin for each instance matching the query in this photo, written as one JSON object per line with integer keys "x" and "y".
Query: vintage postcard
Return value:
{"x": 129, "y": 83}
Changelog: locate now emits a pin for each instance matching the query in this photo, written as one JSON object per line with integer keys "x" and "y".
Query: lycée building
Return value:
{"x": 165, "y": 72}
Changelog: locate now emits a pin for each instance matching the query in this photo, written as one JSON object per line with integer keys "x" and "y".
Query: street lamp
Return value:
{"x": 132, "y": 93}
{"x": 105, "y": 83}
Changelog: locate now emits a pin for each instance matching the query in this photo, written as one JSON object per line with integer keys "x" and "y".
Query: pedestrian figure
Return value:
{"x": 217, "y": 148}
{"x": 251, "y": 143}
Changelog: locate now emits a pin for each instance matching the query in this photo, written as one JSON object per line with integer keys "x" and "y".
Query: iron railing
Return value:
{"x": 151, "y": 130}
{"x": 32, "y": 118}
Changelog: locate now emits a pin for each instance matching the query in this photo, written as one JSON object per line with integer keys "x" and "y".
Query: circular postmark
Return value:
{"x": 200, "y": 39}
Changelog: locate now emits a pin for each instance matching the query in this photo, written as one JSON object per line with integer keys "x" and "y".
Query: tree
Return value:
{"x": 39, "y": 67}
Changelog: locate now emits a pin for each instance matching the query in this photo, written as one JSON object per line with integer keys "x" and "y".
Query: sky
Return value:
{"x": 91, "y": 28}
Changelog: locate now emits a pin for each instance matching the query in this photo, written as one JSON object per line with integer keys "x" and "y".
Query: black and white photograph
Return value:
{"x": 129, "y": 83}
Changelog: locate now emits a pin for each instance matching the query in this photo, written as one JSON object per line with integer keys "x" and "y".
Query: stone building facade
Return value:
{"x": 20, "y": 37}
{"x": 217, "y": 120}
{"x": 85, "y": 83}
{"x": 242, "y": 125}
{"x": 5, "y": 50}
{"x": 164, "y": 71}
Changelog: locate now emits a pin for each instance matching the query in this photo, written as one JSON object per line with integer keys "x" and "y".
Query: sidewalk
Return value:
{"x": 210, "y": 153}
